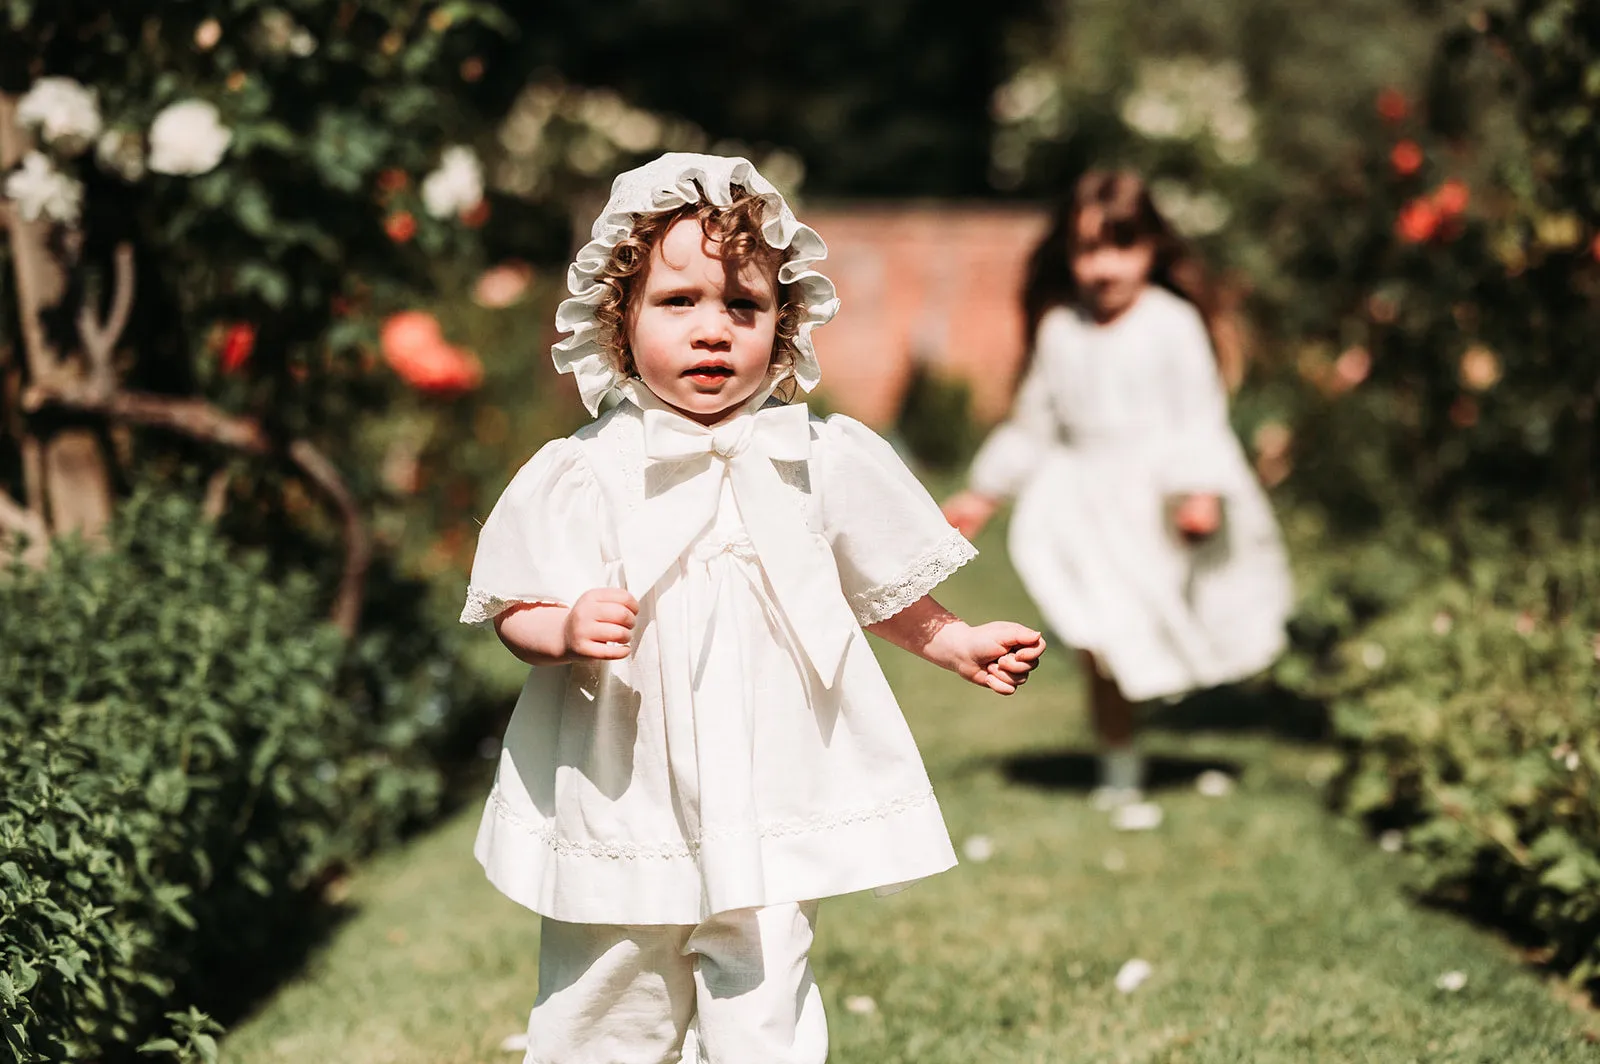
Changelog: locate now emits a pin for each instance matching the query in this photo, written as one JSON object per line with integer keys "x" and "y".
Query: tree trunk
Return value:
{"x": 71, "y": 483}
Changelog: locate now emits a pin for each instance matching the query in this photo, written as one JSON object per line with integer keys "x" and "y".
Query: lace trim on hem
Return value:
{"x": 920, "y": 577}
{"x": 482, "y": 607}
{"x": 564, "y": 847}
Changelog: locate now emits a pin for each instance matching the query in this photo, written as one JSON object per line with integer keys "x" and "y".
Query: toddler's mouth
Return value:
{"x": 709, "y": 371}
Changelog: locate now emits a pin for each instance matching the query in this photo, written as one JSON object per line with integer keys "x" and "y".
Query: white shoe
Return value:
{"x": 1106, "y": 798}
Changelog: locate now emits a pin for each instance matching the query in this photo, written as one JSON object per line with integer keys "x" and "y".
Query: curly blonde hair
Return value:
{"x": 736, "y": 232}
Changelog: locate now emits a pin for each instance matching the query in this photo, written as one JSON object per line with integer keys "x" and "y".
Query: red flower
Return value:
{"x": 1464, "y": 412}
{"x": 1392, "y": 105}
{"x": 1406, "y": 158}
{"x": 237, "y": 343}
{"x": 1452, "y": 197}
{"x": 475, "y": 217}
{"x": 400, "y": 226}
{"x": 415, "y": 349}
{"x": 1418, "y": 222}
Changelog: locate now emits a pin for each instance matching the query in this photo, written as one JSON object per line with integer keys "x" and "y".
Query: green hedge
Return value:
{"x": 177, "y": 767}
{"x": 1465, "y": 688}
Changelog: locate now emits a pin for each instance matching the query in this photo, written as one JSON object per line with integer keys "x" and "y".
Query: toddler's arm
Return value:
{"x": 998, "y": 655}
{"x": 596, "y": 627}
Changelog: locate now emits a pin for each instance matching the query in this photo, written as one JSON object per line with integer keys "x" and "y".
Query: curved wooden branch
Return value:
{"x": 201, "y": 420}
{"x": 100, "y": 338}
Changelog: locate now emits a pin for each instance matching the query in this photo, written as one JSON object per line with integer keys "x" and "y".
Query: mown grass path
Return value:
{"x": 1276, "y": 932}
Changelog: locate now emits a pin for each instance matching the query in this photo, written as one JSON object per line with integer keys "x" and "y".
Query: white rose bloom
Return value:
{"x": 188, "y": 138}
{"x": 120, "y": 152}
{"x": 41, "y": 191}
{"x": 65, "y": 113}
{"x": 456, "y": 186}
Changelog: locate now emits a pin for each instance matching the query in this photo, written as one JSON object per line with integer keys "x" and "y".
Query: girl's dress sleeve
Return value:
{"x": 891, "y": 543}
{"x": 541, "y": 542}
{"x": 1201, "y": 450}
{"x": 1011, "y": 451}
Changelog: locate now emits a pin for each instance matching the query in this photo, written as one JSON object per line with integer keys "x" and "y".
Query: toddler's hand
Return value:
{"x": 998, "y": 655}
{"x": 1198, "y": 516}
{"x": 600, "y": 624}
{"x": 969, "y": 512}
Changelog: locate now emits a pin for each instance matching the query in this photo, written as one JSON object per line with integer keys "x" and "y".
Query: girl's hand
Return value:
{"x": 599, "y": 624}
{"x": 969, "y": 512}
{"x": 998, "y": 655}
{"x": 1198, "y": 516}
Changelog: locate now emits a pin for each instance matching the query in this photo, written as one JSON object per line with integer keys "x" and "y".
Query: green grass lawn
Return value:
{"x": 1276, "y": 932}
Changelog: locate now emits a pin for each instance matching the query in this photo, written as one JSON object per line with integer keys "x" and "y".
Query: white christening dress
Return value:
{"x": 748, "y": 751}
{"x": 1113, "y": 423}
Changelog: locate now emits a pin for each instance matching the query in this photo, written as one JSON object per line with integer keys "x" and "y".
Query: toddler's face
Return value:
{"x": 701, "y": 328}
{"x": 1110, "y": 275}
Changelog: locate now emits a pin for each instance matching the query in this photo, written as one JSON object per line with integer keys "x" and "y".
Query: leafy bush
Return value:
{"x": 935, "y": 420}
{"x": 177, "y": 767}
{"x": 1466, "y": 694}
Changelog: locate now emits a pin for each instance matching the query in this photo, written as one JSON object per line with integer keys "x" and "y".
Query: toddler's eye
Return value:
{"x": 677, "y": 301}
{"x": 743, "y": 304}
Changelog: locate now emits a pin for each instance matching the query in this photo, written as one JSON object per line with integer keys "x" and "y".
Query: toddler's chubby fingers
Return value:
{"x": 612, "y": 612}
{"x": 601, "y": 650}
{"x": 615, "y": 595}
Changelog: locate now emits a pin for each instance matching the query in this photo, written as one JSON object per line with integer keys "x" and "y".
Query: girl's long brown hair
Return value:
{"x": 1128, "y": 215}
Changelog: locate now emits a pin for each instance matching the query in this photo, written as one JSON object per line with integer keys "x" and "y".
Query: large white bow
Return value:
{"x": 798, "y": 564}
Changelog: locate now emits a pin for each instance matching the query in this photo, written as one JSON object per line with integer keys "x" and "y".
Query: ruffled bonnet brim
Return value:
{"x": 663, "y": 185}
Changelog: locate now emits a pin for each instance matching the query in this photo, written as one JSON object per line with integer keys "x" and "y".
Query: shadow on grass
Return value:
{"x": 1264, "y": 709}
{"x": 1078, "y": 770}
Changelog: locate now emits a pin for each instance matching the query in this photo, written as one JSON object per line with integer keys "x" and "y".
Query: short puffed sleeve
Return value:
{"x": 542, "y": 541}
{"x": 891, "y": 543}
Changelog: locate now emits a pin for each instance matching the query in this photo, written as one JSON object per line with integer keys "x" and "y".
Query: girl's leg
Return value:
{"x": 757, "y": 998}
{"x": 1121, "y": 764}
{"x": 611, "y": 995}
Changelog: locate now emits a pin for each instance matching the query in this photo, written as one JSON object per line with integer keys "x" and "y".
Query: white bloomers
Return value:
{"x": 628, "y": 995}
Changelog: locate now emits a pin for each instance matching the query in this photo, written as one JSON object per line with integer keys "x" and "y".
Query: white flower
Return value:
{"x": 188, "y": 138}
{"x": 1214, "y": 784}
{"x": 860, "y": 1004}
{"x": 1373, "y": 655}
{"x": 456, "y": 186}
{"x": 1136, "y": 816}
{"x": 978, "y": 848}
{"x": 302, "y": 44}
{"x": 1131, "y": 974}
{"x": 65, "y": 113}
{"x": 1392, "y": 841}
{"x": 1451, "y": 981}
{"x": 119, "y": 151}
{"x": 41, "y": 191}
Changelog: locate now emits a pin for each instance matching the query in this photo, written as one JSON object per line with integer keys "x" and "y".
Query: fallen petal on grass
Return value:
{"x": 1131, "y": 974}
{"x": 1451, "y": 981}
{"x": 1139, "y": 816}
{"x": 978, "y": 848}
{"x": 1214, "y": 784}
{"x": 860, "y": 1004}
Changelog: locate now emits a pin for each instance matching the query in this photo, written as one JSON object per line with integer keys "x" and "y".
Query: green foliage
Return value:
{"x": 1466, "y": 693}
{"x": 178, "y": 768}
{"x": 935, "y": 420}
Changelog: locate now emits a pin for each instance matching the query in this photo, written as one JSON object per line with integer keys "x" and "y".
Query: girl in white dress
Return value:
{"x": 1139, "y": 529}
{"x": 706, "y": 745}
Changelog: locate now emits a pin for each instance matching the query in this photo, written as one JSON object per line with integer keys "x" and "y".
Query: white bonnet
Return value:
{"x": 663, "y": 185}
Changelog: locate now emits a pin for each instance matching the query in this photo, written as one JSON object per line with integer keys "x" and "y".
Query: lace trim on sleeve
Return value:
{"x": 482, "y": 607}
{"x": 920, "y": 577}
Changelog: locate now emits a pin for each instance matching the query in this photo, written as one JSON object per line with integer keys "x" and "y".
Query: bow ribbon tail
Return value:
{"x": 798, "y": 565}
{"x": 654, "y": 538}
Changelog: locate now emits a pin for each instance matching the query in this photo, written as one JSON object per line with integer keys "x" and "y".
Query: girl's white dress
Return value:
{"x": 1111, "y": 425}
{"x": 748, "y": 751}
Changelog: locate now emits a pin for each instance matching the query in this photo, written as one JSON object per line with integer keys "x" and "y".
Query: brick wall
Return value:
{"x": 933, "y": 282}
